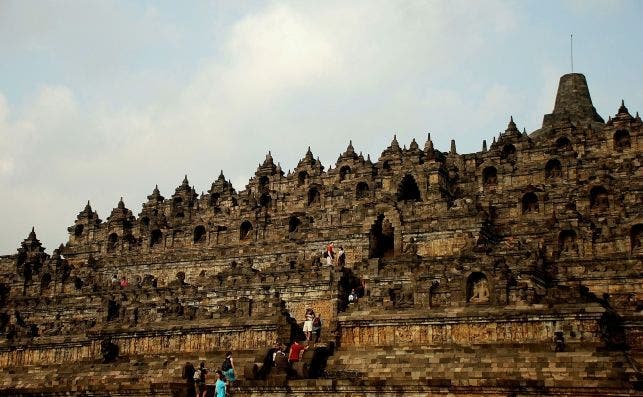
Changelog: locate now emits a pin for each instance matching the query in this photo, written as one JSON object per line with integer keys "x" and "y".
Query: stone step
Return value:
{"x": 483, "y": 365}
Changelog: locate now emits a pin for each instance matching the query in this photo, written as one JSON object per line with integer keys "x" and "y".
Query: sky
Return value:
{"x": 103, "y": 99}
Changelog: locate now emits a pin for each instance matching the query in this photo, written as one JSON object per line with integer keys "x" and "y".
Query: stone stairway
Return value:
{"x": 127, "y": 373}
{"x": 485, "y": 366}
{"x": 455, "y": 368}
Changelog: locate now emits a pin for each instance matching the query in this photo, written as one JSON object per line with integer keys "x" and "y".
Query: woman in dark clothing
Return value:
{"x": 203, "y": 371}
{"x": 188, "y": 375}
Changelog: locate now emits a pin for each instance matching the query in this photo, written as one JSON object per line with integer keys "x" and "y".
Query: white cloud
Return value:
{"x": 285, "y": 76}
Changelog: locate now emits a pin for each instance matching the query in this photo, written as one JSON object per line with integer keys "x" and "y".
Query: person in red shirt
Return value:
{"x": 296, "y": 350}
{"x": 330, "y": 250}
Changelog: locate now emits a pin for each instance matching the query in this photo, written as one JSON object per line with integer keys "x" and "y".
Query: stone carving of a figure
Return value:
{"x": 411, "y": 248}
{"x": 480, "y": 291}
{"x": 569, "y": 244}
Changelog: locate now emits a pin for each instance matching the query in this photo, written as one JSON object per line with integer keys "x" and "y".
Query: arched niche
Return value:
{"x": 567, "y": 242}
{"x": 156, "y": 238}
{"x": 314, "y": 196}
{"x": 361, "y": 190}
{"x": 553, "y": 169}
{"x": 489, "y": 176}
{"x": 263, "y": 182}
{"x": 344, "y": 172}
{"x": 245, "y": 230}
{"x": 477, "y": 288}
{"x": 294, "y": 223}
{"x": 78, "y": 230}
{"x": 145, "y": 221}
{"x": 598, "y": 199}
{"x": 265, "y": 200}
{"x": 622, "y": 140}
{"x": 112, "y": 242}
{"x": 508, "y": 153}
{"x": 214, "y": 199}
{"x": 199, "y": 235}
{"x": 433, "y": 292}
{"x": 45, "y": 281}
{"x": 177, "y": 207}
{"x": 636, "y": 234}
{"x": 408, "y": 189}
{"x": 563, "y": 144}
{"x": 302, "y": 178}
{"x": 381, "y": 238}
{"x": 529, "y": 203}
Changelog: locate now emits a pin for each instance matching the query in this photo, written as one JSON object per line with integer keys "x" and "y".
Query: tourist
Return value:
{"x": 352, "y": 297}
{"x": 329, "y": 249}
{"x": 220, "y": 385}
{"x": 114, "y": 280}
{"x": 559, "y": 341}
{"x": 200, "y": 376}
{"x": 330, "y": 254}
{"x": 296, "y": 351}
{"x": 317, "y": 325}
{"x": 188, "y": 375}
{"x": 278, "y": 355}
{"x": 308, "y": 323}
{"x": 228, "y": 368}
{"x": 124, "y": 283}
{"x": 341, "y": 257}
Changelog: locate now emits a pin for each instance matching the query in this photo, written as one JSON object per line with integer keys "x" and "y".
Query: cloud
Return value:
{"x": 281, "y": 77}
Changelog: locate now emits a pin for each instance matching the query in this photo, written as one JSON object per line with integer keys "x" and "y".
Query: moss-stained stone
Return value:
{"x": 469, "y": 269}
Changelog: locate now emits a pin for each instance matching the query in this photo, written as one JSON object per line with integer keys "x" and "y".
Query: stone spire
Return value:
{"x": 572, "y": 100}
{"x": 428, "y": 146}
{"x": 512, "y": 129}
{"x": 268, "y": 161}
{"x": 86, "y": 217}
{"x": 349, "y": 153}
{"x": 120, "y": 213}
{"x": 183, "y": 187}
{"x": 511, "y": 126}
{"x": 309, "y": 155}
{"x": 484, "y": 145}
{"x": 156, "y": 195}
{"x": 86, "y": 213}
{"x": 349, "y": 148}
{"x": 308, "y": 159}
{"x": 31, "y": 243}
{"x": 221, "y": 186}
{"x": 453, "y": 149}
{"x": 32, "y": 234}
{"x": 268, "y": 168}
{"x": 394, "y": 143}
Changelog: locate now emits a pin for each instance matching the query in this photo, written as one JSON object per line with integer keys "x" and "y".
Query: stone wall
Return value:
{"x": 533, "y": 234}
{"x": 364, "y": 330}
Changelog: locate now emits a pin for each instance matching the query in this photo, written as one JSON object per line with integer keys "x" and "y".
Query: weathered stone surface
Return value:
{"x": 465, "y": 268}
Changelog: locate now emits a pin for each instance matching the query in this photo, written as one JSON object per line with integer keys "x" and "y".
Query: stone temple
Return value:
{"x": 512, "y": 271}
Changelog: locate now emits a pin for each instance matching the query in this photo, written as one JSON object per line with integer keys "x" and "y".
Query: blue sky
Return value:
{"x": 102, "y": 99}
